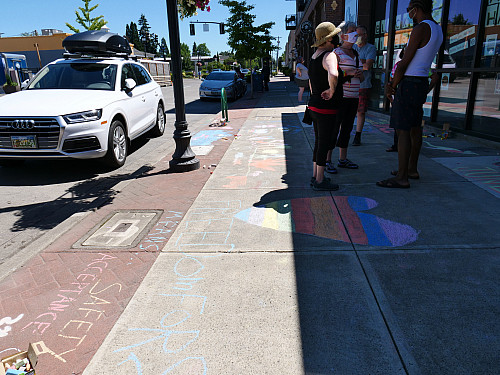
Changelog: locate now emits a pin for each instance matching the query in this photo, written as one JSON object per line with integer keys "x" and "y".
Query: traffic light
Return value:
{"x": 221, "y": 28}
{"x": 191, "y": 29}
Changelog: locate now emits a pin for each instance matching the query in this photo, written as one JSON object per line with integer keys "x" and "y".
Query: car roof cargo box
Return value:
{"x": 97, "y": 42}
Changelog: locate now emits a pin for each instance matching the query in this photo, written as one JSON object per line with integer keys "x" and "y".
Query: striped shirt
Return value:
{"x": 347, "y": 64}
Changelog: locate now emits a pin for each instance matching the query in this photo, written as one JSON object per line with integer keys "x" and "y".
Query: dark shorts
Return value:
{"x": 302, "y": 82}
{"x": 364, "y": 95}
{"x": 407, "y": 108}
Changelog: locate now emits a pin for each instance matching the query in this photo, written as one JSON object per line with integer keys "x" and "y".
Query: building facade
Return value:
{"x": 468, "y": 97}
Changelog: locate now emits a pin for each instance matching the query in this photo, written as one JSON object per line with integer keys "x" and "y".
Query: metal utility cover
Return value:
{"x": 120, "y": 230}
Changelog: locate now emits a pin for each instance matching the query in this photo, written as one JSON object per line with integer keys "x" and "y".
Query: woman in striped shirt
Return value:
{"x": 353, "y": 70}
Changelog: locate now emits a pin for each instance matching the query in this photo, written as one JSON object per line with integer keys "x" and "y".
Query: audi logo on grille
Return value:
{"x": 22, "y": 124}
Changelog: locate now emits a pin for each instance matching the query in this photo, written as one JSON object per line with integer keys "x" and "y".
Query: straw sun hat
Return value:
{"x": 324, "y": 31}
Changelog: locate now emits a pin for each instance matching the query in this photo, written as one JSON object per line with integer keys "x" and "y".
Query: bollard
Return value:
{"x": 223, "y": 102}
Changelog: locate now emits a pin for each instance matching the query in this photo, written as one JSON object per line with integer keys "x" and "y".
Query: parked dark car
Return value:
{"x": 211, "y": 87}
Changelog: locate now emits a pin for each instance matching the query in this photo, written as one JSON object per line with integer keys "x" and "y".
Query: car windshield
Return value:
{"x": 221, "y": 76}
{"x": 79, "y": 76}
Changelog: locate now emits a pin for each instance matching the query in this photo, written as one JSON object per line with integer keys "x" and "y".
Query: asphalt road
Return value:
{"x": 40, "y": 195}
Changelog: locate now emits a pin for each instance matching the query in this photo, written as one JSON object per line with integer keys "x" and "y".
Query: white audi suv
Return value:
{"x": 90, "y": 104}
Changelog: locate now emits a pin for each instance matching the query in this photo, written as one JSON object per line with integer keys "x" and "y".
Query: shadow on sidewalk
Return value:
{"x": 340, "y": 332}
{"x": 87, "y": 195}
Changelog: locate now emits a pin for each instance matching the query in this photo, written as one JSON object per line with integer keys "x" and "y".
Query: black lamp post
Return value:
{"x": 183, "y": 159}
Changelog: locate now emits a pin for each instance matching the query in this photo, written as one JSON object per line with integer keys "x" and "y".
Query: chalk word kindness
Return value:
{"x": 206, "y": 227}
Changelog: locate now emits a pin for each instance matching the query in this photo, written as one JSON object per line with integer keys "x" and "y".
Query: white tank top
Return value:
{"x": 421, "y": 62}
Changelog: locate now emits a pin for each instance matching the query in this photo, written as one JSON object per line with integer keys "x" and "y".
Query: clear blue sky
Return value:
{"x": 29, "y": 15}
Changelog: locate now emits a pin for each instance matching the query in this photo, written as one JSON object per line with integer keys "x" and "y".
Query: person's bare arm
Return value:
{"x": 419, "y": 34}
{"x": 368, "y": 64}
{"x": 330, "y": 65}
{"x": 434, "y": 80}
{"x": 298, "y": 71}
{"x": 359, "y": 74}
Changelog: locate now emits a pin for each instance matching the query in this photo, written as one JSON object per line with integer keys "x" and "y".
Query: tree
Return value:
{"x": 153, "y": 44}
{"x": 164, "y": 48}
{"x": 246, "y": 40}
{"x": 459, "y": 19}
{"x": 203, "y": 50}
{"x": 187, "y": 64}
{"x": 85, "y": 20}
{"x": 133, "y": 36}
{"x": 144, "y": 33}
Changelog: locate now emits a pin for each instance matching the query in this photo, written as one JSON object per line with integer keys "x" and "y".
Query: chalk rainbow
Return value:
{"x": 337, "y": 219}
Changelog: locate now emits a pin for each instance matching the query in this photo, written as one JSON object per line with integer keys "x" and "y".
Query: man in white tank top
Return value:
{"x": 408, "y": 91}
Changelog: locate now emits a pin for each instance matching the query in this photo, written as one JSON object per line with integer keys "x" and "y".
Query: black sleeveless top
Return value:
{"x": 318, "y": 77}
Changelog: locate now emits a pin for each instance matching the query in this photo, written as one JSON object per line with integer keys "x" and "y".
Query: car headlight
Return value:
{"x": 83, "y": 116}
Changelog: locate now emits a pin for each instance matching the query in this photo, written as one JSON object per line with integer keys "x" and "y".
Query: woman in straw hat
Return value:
{"x": 325, "y": 100}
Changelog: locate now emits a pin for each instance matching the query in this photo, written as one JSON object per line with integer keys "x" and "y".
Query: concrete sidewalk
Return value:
{"x": 259, "y": 274}
{"x": 265, "y": 276}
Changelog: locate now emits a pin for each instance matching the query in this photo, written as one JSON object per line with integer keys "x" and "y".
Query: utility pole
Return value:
{"x": 277, "y": 53}
{"x": 183, "y": 159}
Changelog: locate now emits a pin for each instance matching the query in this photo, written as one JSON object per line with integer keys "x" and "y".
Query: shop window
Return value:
{"x": 460, "y": 39}
{"x": 491, "y": 44}
{"x": 453, "y": 98}
{"x": 487, "y": 105}
{"x": 380, "y": 40}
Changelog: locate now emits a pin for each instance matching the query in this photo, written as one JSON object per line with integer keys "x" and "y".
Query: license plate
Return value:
{"x": 23, "y": 141}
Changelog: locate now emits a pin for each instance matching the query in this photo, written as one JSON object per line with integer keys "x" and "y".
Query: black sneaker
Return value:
{"x": 313, "y": 180}
{"x": 325, "y": 186}
{"x": 330, "y": 168}
{"x": 347, "y": 164}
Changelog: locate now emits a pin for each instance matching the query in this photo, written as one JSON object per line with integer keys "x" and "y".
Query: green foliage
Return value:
{"x": 214, "y": 65}
{"x": 187, "y": 64}
{"x": 201, "y": 50}
{"x": 9, "y": 81}
{"x": 246, "y": 40}
{"x": 164, "y": 52}
{"x": 85, "y": 20}
{"x": 286, "y": 71}
{"x": 459, "y": 19}
{"x": 132, "y": 34}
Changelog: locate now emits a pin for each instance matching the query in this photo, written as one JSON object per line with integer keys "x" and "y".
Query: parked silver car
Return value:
{"x": 211, "y": 87}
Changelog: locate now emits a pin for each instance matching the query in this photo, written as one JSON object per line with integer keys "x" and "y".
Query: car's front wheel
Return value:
{"x": 159, "y": 128}
{"x": 117, "y": 145}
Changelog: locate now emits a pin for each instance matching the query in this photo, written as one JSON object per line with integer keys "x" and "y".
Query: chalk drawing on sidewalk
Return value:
{"x": 4, "y": 331}
{"x": 320, "y": 217}
{"x": 208, "y": 227}
{"x": 382, "y": 126}
{"x": 448, "y": 149}
{"x": 483, "y": 171}
{"x": 207, "y": 137}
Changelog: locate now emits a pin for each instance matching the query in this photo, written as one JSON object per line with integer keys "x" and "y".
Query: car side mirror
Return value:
{"x": 129, "y": 84}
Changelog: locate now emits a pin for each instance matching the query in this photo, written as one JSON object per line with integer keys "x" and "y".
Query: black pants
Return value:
{"x": 345, "y": 120}
{"x": 325, "y": 129}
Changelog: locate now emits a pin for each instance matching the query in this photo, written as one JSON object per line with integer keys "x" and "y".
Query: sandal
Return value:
{"x": 410, "y": 176}
{"x": 392, "y": 184}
